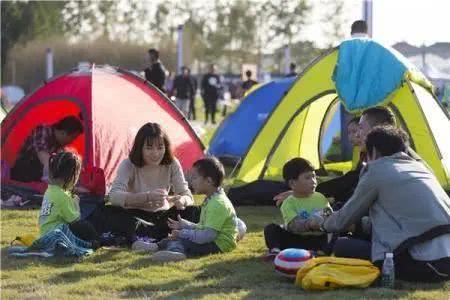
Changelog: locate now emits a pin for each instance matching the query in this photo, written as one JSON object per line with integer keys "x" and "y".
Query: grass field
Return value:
{"x": 123, "y": 274}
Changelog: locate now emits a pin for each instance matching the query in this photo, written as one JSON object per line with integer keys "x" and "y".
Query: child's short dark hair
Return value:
{"x": 296, "y": 166}
{"x": 380, "y": 116}
{"x": 359, "y": 26}
{"x": 147, "y": 134}
{"x": 65, "y": 166}
{"x": 211, "y": 167}
{"x": 354, "y": 120}
{"x": 154, "y": 52}
{"x": 387, "y": 140}
{"x": 70, "y": 125}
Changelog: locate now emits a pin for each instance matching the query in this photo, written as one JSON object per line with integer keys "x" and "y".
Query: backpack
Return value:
{"x": 327, "y": 273}
{"x": 93, "y": 179}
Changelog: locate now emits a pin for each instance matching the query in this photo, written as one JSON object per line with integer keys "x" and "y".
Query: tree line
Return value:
{"x": 226, "y": 32}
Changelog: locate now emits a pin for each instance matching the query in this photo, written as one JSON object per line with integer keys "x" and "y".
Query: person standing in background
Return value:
{"x": 247, "y": 84}
{"x": 292, "y": 71}
{"x": 155, "y": 73}
{"x": 210, "y": 90}
{"x": 359, "y": 29}
{"x": 183, "y": 90}
{"x": 191, "y": 114}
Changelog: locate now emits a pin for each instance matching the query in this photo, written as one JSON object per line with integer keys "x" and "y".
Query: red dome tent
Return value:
{"x": 113, "y": 104}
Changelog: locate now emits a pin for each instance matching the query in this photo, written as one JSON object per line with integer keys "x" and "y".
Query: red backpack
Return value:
{"x": 93, "y": 179}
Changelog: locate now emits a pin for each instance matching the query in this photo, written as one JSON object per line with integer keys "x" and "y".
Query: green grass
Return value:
{"x": 107, "y": 274}
{"x": 240, "y": 274}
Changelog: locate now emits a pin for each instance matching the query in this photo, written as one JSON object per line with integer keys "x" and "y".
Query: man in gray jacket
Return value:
{"x": 408, "y": 209}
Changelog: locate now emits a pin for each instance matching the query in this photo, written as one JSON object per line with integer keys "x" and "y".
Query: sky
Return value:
{"x": 414, "y": 21}
{"x": 423, "y": 22}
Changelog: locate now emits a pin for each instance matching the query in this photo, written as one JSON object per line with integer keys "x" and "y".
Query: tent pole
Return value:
{"x": 367, "y": 16}
{"x": 179, "y": 49}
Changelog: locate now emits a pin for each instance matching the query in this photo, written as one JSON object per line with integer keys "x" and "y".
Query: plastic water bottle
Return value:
{"x": 388, "y": 272}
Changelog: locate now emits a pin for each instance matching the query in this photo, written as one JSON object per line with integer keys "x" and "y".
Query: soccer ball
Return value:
{"x": 290, "y": 260}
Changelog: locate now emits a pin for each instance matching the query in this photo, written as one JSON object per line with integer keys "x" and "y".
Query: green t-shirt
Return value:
{"x": 58, "y": 207}
{"x": 218, "y": 213}
{"x": 304, "y": 207}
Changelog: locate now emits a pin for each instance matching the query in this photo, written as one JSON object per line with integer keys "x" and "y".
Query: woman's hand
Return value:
{"x": 177, "y": 201}
{"x": 151, "y": 200}
{"x": 157, "y": 198}
{"x": 158, "y": 195}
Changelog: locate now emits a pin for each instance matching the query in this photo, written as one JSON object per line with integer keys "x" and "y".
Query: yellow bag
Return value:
{"x": 25, "y": 240}
{"x": 327, "y": 273}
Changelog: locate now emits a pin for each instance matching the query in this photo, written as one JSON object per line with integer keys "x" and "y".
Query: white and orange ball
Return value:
{"x": 242, "y": 229}
{"x": 290, "y": 260}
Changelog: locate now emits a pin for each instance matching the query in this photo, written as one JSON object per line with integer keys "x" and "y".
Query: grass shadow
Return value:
{"x": 254, "y": 279}
{"x": 103, "y": 255}
{"x": 73, "y": 276}
{"x": 147, "y": 291}
{"x": 14, "y": 263}
{"x": 246, "y": 274}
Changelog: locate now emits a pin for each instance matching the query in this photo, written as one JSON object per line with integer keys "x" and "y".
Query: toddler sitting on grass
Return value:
{"x": 217, "y": 230}
{"x": 60, "y": 205}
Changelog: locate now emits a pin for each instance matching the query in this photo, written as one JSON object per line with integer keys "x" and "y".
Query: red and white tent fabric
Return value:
{"x": 112, "y": 104}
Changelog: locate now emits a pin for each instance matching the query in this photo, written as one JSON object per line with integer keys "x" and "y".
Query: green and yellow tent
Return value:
{"x": 355, "y": 71}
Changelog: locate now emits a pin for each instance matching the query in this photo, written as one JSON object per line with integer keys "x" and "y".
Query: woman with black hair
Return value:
{"x": 149, "y": 186}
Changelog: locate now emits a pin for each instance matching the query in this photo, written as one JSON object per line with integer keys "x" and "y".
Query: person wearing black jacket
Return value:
{"x": 292, "y": 72}
{"x": 247, "y": 84}
{"x": 155, "y": 73}
{"x": 191, "y": 114}
{"x": 183, "y": 90}
{"x": 210, "y": 90}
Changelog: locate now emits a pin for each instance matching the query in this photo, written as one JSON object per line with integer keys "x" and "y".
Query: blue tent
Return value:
{"x": 236, "y": 133}
{"x": 333, "y": 129}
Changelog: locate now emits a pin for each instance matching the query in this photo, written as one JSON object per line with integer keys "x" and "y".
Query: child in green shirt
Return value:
{"x": 299, "y": 211}
{"x": 60, "y": 205}
{"x": 216, "y": 231}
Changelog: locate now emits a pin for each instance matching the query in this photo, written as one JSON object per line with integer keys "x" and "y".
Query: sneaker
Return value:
{"x": 142, "y": 246}
{"x": 270, "y": 255}
{"x": 165, "y": 256}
